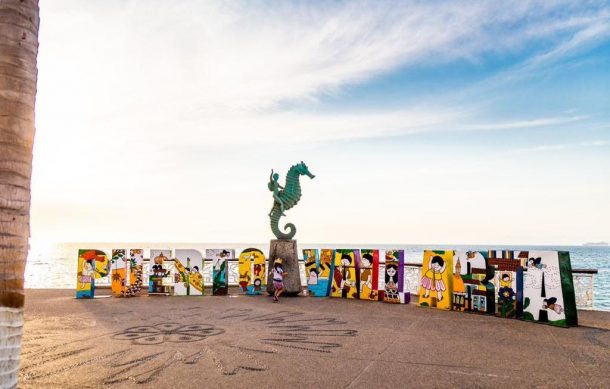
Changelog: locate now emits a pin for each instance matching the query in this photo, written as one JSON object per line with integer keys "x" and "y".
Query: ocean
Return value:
{"x": 54, "y": 266}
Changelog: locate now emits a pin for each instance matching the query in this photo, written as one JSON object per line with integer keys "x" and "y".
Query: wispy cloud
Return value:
{"x": 540, "y": 148}
{"x": 185, "y": 103}
{"x": 210, "y": 56}
{"x": 595, "y": 143}
{"x": 531, "y": 123}
{"x": 555, "y": 147}
{"x": 586, "y": 30}
{"x": 180, "y": 75}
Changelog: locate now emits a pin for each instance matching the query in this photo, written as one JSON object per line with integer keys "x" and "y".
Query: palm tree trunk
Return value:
{"x": 19, "y": 22}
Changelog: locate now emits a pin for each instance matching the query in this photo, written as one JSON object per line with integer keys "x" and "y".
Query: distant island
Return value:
{"x": 596, "y": 244}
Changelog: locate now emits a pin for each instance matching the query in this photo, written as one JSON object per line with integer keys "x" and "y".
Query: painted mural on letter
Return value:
{"x": 160, "y": 278}
{"x": 473, "y": 290}
{"x": 548, "y": 289}
{"x": 369, "y": 274}
{"x": 252, "y": 271}
{"x": 91, "y": 264}
{"x": 127, "y": 272}
{"x": 507, "y": 266}
{"x": 346, "y": 274}
{"x": 188, "y": 273}
{"x": 436, "y": 279}
{"x": 220, "y": 265}
{"x": 318, "y": 268}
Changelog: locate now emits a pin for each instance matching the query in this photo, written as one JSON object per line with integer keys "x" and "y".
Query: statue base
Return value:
{"x": 287, "y": 250}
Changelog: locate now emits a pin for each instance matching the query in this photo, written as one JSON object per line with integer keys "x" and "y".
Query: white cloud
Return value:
{"x": 590, "y": 29}
{"x": 531, "y": 123}
{"x": 539, "y": 148}
{"x": 133, "y": 94}
{"x": 179, "y": 74}
{"x": 206, "y": 56}
{"x": 555, "y": 147}
{"x": 595, "y": 143}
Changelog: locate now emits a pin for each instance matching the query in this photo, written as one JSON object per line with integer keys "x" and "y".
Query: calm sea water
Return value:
{"x": 54, "y": 266}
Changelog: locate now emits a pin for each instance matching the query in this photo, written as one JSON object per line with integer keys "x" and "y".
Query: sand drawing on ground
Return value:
{"x": 168, "y": 332}
{"x": 142, "y": 354}
{"x": 295, "y": 330}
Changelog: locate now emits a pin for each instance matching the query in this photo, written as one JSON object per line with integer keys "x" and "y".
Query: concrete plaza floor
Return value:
{"x": 249, "y": 342}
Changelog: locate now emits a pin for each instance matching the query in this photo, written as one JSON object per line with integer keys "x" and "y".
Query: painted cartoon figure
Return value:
{"x": 219, "y": 287}
{"x": 274, "y": 186}
{"x": 187, "y": 279}
{"x": 432, "y": 280}
{"x": 310, "y": 264}
{"x": 505, "y": 281}
{"x": 326, "y": 257}
{"x": 159, "y": 271}
{"x": 313, "y": 277}
{"x": 258, "y": 285}
{"x": 257, "y": 269}
{"x": 87, "y": 274}
{"x": 391, "y": 281}
{"x": 535, "y": 263}
{"x": 136, "y": 256}
{"x": 195, "y": 270}
{"x": 337, "y": 278}
{"x": 346, "y": 284}
{"x": 244, "y": 280}
{"x": 366, "y": 277}
{"x": 551, "y": 303}
{"x": 220, "y": 260}
{"x": 92, "y": 264}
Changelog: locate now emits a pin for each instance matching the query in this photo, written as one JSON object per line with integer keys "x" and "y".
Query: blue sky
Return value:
{"x": 424, "y": 122}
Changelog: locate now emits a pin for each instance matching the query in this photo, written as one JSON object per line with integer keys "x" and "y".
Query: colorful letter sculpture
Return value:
{"x": 318, "y": 270}
{"x": 436, "y": 279}
{"x": 534, "y": 286}
{"x": 188, "y": 277}
{"x": 346, "y": 274}
{"x": 548, "y": 288}
{"x": 160, "y": 280}
{"x": 530, "y": 285}
{"x": 326, "y": 269}
{"x": 252, "y": 272}
{"x": 394, "y": 290}
{"x": 220, "y": 269}
{"x": 472, "y": 287}
{"x": 508, "y": 282}
{"x": 91, "y": 264}
{"x": 127, "y": 272}
{"x": 369, "y": 274}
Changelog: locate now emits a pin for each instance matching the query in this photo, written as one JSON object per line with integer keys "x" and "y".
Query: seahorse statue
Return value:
{"x": 286, "y": 197}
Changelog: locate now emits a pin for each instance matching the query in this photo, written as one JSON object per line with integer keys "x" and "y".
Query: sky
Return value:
{"x": 442, "y": 122}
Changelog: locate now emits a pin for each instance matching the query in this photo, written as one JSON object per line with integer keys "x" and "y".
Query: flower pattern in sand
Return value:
{"x": 168, "y": 332}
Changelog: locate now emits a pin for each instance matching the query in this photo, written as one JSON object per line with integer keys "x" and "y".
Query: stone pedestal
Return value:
{"x": 287, "y": 250}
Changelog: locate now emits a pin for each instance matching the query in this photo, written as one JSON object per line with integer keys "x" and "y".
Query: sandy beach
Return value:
{"x": 242, "y": 341}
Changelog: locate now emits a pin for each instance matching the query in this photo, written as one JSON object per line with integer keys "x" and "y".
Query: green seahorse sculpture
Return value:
{"x": 286, "y": 197}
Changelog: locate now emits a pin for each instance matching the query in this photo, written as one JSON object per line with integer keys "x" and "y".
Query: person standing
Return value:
{"x": 278, "y": 274}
